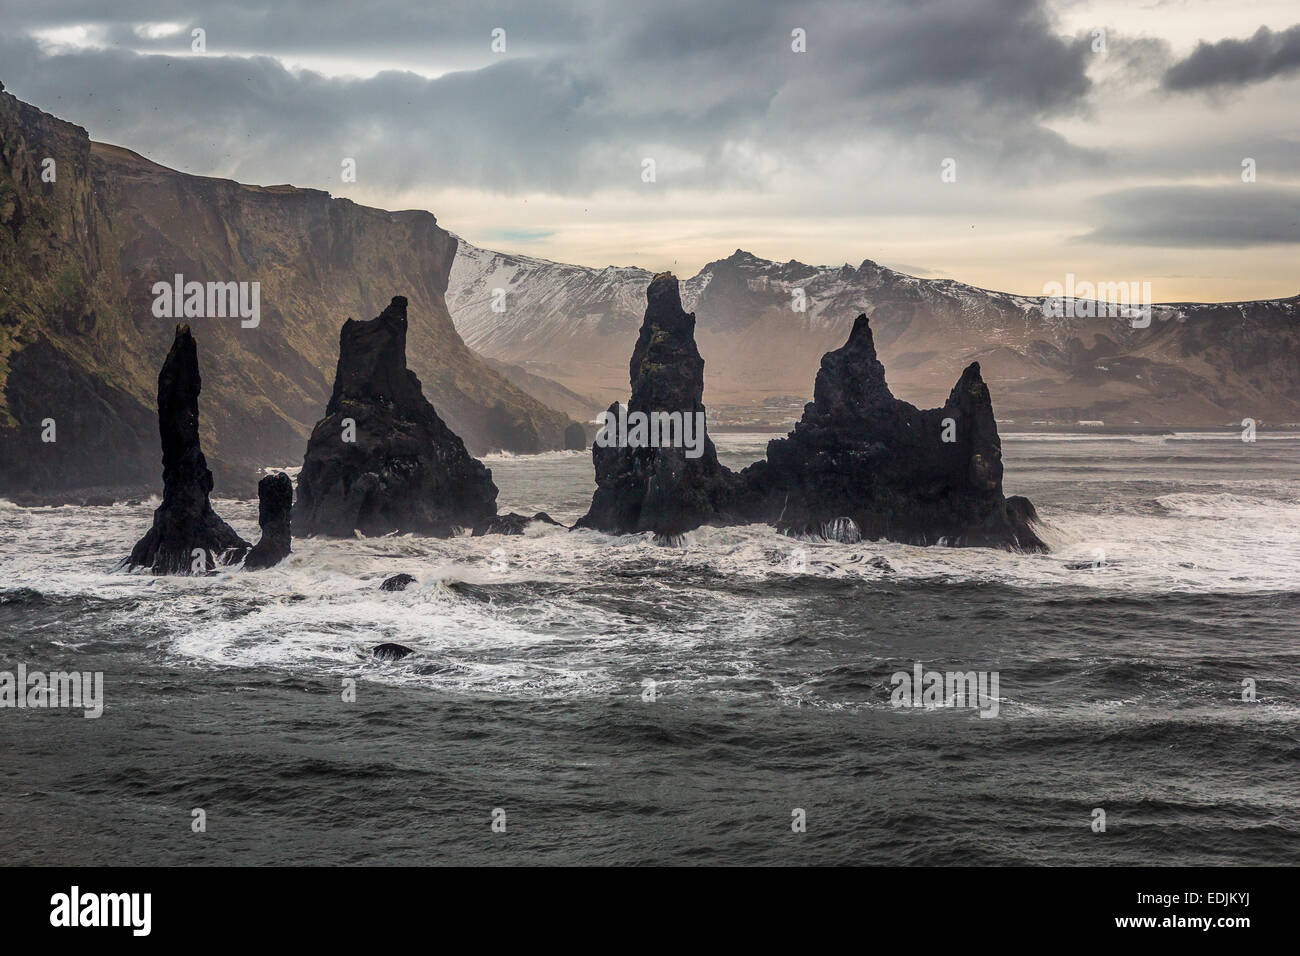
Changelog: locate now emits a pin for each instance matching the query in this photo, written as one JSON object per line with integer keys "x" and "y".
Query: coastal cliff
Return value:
{"x": 88, "y": 229}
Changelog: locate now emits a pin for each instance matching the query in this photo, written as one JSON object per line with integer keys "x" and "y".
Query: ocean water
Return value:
{"x": 1121, "y": 656}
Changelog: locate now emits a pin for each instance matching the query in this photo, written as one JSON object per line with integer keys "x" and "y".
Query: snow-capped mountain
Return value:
{"x": 569, "y": 323}
{"x": 763, "y": 326}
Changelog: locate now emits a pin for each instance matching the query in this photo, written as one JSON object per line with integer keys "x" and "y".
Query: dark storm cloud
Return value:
{"x": 1221, "y": 217}
{"x": 712, "y": 91}
{"x": 499, "y": 127}
{"x": 1232, "y": 62}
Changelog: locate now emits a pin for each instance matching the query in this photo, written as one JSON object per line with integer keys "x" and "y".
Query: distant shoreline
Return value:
{"x": 137, "y": 493}
{"x": 1017, "y": 428}
{"x": 1008, "y": 428}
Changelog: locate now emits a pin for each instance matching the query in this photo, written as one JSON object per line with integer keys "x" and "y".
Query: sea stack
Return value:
{"x": 381, "y": 460}
{"x": 575, "y": 437}
{"x": 186, "y": 535}
{"x": 656, "y": 469}
{"x": 274, "y": 507}
{"x": 892, "y": 470}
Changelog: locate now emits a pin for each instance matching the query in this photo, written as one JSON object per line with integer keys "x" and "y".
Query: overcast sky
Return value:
{"x": 1116, "y": 156}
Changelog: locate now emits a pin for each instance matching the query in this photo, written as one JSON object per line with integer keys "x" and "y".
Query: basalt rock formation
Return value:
{"x": 575, "y": 437}
{"x": 274, "y": 512}
{"x": 512, "y": 523}
{"x": 185, "y": 522}
{"x": 398, "y": 582}
{"x": 381, "y": 460}
{"x": 894, "y": 471}
{"x": 669, "y": 489}
{"x": 859, "y": 464}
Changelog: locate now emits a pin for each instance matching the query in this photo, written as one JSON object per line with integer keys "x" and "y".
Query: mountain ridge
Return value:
{"x": 1182, "y": 370}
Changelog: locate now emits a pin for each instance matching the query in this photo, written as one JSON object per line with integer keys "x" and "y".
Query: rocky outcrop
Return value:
{"x": 575, "y": 437}
{"x": 859, "y": 464}
{"x": 381, "y": 460}
{"x": 391, "y": 652}
{"x": 512, "y": 523}
{"x": 398, "y": 582}
{"x": 274, "y": 513}
{"x": 648, "y": 477}
{"x": 186, "y": 535}
{"x": 862, "y": 463}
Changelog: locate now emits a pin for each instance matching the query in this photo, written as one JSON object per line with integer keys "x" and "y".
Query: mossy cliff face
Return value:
{"x": 72, "y": 367}
{"x": 79, "y": 341}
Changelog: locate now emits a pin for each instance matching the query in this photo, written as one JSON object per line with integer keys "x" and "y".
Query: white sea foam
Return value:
{"x": 540, "y": 456}
{"x": 563, "y": 612}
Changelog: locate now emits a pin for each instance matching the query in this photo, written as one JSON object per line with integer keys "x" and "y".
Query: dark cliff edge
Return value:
{"x": 83, "y": 240}
{"x": 382, "y": 460}
{"x": 76, "y": 387}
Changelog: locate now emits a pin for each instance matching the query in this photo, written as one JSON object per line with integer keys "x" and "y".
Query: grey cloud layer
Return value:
{"x": 711, "y": 90}
{"x": 1231, "y": 62}
{"x": 1246, "y": 214}
{"x": 585, "y": 92}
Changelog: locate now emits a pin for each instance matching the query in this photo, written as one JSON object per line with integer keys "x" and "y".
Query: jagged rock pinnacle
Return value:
{"x": 895, "y": 471}
{"x": 186, "y": 535}
{"x": 381, "y": 459}
{"x": 666, "y": 487}
{"x": 274, "y": 507}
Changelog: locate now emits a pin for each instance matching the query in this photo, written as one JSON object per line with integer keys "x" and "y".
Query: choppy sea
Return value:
{"x": 610, "y": 700}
